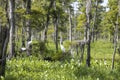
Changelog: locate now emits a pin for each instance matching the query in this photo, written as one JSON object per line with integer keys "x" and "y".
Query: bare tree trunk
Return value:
{"x": 70, "y": 26}
{"x": 85, "y": 32}
{"x": 56, "y": 27}
{"x": 28, "y": 12}
{"x": 4, "y": 39}
{"x": 23, "y": 27}
{"x": 4, "y": 34}
{"x": 88, "y": 8}
{"x": 75, "y": 25}
{"x": 115, "y": 43}
{"x": 12, "y": 27}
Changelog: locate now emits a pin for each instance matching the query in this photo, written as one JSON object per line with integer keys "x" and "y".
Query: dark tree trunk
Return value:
{"x": 44, "y": 36}
{"x": 23, "y": 27}
{"x": 4, "y": 39}
{"x": 88, "y": 8}
{"x": 56, "y": 35}
{"x": 56, "y": 26}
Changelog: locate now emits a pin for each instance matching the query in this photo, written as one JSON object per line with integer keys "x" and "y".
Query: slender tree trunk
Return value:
{"x": 28, "y": 12}
{"x": 75, "y": 26}
{"x": 4, "y": 39}
{"x": 88, "y": 8}
{"x": 70, "y": 26}
{"x": 94, "y": 22}
{"x": 44, "y": 36}
{"x": 56, "y": 27}
{"x": 115, "y": 43}
{"x": 56, "y": 33}
{"x": 12, "y": 27}
{"x": 70, "y": 32}
{"x": 23, "y": 27}
{"x": 85, "y": 32}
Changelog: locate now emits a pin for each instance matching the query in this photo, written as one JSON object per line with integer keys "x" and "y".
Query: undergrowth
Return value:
{"x": 35, "y": 68}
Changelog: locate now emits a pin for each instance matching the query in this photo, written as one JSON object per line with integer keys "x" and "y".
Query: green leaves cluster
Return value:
{"x": 32, "y": 68}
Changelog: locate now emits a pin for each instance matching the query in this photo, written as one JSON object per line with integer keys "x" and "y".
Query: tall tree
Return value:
{"x": 115, "y": 41}
{"x": 56, "y": 25}
{"x": 4, "y": 33}
{"x": 28, "y": 13}
{"x": 115, "y": 25}
{"x": 23, "y": 26}
{"x": 88, "y": 9}
{"x": 4, "y": 38}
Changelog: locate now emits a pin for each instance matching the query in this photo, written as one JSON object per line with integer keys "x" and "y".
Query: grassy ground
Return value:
{"x": 33, "y": 68}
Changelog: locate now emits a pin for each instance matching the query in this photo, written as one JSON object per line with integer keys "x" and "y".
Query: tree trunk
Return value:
{"x": 85, "y": 32}
{"x": 88, "y": 8}
{"x": 44, "y": 36}
{"x": 56, "y": 26}
{"x": 75, "y": 25}
{"x": 4, "y": 34}
{"x": 28, "y": 12}
{"x": 12, "y": 27}
{"x": 94, "y": 22}
{"x": 82, "y": 46}
{"x": 115, "y": 42}
{"x": 23, "y": 27}
{"x": 70, "y": 26}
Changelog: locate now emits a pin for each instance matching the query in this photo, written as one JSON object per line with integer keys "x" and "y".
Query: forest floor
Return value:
{"x": 33, "y": 68}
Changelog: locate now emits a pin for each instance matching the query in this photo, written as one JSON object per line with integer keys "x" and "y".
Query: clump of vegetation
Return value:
{"x": 35, "y": 69}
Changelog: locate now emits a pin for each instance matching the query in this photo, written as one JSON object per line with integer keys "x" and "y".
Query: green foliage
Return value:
{"x": 39, "y": 47}
{"x": 81, "y": 22}
{"x": 64, "y": 67}
{"x": 110, "y": 17}
{"x": 35, "y": 69}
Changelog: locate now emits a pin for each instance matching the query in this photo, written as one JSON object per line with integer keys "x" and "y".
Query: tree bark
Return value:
{"x": 88, "y": 8}
{"x": 23, "y": 26}
{"x": 56, "y": 26}
{"x": 4, "y": 34}
{"x": 94, "y": 22}
{"x": 12, "y": 27}
{"x": 115, "y": 42}
{"x": 70, "y": 26}
{"x": 28, "y": 12}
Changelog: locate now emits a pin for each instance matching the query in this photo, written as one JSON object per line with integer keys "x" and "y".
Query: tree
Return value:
{"x": 44, "y": 36}
{"x": 28, "y": 21}
{"x": 4, "y": 33}
{"x": 96, "y": 20}
{"x": 115, "y": 25}
{"x": 88, "y": 9}
{"x": 4, "y": 37}
{"x": 12, "y": 27}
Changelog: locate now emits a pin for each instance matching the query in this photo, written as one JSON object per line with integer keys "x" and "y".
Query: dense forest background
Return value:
{"x": 59, "y": 40}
